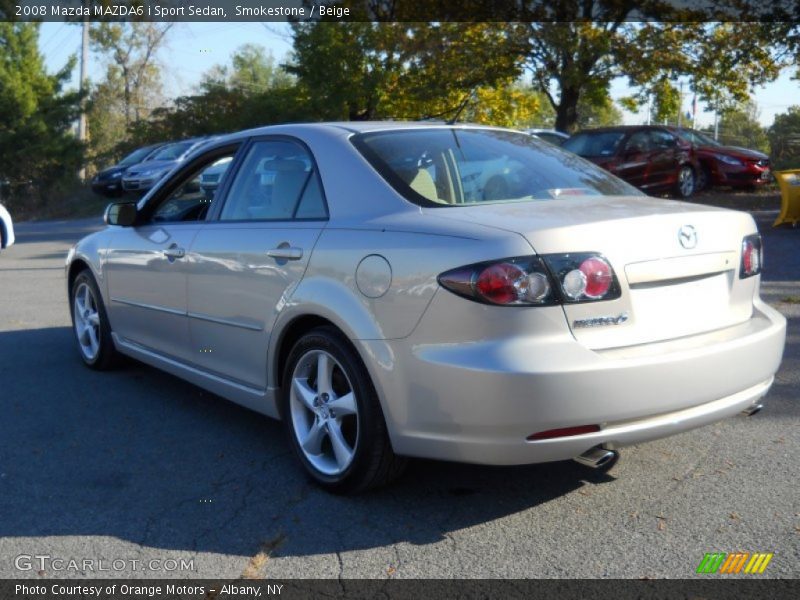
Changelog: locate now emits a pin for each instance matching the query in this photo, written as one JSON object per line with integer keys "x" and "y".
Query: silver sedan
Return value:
{"x": 463, "y": 293}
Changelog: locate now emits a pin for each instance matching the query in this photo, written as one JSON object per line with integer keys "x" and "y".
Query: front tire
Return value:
{"x": 685, "y": 185}
{"x": 333, "y": 418}
{"x": 90, "y": 324}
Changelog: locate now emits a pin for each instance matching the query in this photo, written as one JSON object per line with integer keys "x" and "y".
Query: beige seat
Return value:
{"x": 423, "y": 184}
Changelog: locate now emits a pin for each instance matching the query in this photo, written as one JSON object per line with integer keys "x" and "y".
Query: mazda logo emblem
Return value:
{"x": 687, "y": 236}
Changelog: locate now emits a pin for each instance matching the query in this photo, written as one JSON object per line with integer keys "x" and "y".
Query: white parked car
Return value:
{"x": 6, "y": 228}
{"x": 346, "y": 279}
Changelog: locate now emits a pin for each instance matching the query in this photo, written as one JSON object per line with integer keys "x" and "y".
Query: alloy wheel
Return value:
{"x": 87, "y": 321}
{"x": 324, "y": 413}
{"x": 686, "y": 181}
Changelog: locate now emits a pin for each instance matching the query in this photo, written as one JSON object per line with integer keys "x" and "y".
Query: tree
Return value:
{"x": 784, "y": 139}
{"x": 253, "y": 91}
{"x": 38, "y": 151}
{"x": 740, "y": 127}
{"x": 253, "y": 71}
{"x": 130, "y": 51}
{"x": 576, "y": 59}
{"x": 361, "y": 71}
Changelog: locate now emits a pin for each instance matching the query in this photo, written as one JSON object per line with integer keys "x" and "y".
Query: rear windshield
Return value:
{"x": 594, "y": 144}
{"x": 448, "y": 167}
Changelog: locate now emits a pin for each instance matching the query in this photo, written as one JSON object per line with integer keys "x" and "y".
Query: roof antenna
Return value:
{"x": 462, "y": 106}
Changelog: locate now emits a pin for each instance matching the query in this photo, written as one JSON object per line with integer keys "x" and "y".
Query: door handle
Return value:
{"x": 286, "y": 253}
{"x": 174, "y": 252}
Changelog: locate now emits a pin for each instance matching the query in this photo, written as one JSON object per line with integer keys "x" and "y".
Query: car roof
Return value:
{"x": 344, "y": 128}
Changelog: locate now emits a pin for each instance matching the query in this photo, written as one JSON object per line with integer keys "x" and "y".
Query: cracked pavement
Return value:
{"x": 138, "y": 465}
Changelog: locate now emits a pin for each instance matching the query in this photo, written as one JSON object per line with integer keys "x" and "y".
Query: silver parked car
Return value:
{"x": 452, "y": 292}
{"x": 141, "y": 177}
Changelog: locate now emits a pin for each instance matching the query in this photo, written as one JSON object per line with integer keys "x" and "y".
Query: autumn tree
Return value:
{"x": 362, "y": 71}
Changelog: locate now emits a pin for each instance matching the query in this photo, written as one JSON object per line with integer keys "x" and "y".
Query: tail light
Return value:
{"x": 535, "y": 280}
{"x": 752, "y": 256}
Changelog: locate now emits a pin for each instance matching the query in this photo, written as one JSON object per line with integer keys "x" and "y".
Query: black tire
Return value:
{"x": 107, "y": 356}
{"x": 373, "y": 463}
{"x": 703, "y": 181}
{"x": 683, "y": 189}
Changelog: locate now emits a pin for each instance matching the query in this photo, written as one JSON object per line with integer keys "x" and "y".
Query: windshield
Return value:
{"x": 697, "y": 138}
{"x": 135, "y": 157}
{"x": 603, "y": 143}
{"x": 173, "y": 151}
{"x": 445, "y": 167}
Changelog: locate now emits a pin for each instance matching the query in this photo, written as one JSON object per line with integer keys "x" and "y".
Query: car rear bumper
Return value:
{"x": 479, "y": 402}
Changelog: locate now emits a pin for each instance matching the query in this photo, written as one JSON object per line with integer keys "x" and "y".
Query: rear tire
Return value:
{"x": 333, "y": 418}
{"x": 90, "y": 324}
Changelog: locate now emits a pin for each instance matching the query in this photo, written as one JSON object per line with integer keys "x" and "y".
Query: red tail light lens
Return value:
{"x": 535, "y": 281}
{"x": 499, "y": 283}
{"x": 521, "y": 281}
{"x": 752, "y": 256}
{"x": 598, "y": 276}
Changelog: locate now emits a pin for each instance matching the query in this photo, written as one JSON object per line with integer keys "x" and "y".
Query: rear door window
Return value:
{"x": 277, "y": 181}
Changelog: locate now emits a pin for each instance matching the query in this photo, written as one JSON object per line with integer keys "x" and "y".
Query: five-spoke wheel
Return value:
{"x": 90, "y": 323}
{"x": 87, "y": 321}
{"x": 686, "y": 182}
{"x": 324, "y": 412}
{"x": 333, "y": 416}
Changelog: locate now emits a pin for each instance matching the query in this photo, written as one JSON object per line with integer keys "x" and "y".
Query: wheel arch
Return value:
{"x": 77, "y": 266}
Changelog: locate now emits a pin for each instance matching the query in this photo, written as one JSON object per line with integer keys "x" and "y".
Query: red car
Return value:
{"x": 652, "y": 158}
{"x": 726, "y": 165}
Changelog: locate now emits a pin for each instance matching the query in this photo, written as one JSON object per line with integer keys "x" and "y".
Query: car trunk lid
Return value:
{"x": 677, "y": 263}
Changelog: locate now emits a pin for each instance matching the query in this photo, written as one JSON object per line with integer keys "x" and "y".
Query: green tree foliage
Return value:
{"x": 38, "y": 152}
{"x": 784, "y": 139}
{"x": 131, "y": 88}
{"x": 253, "y": 91}
{"x": 740, "y": 127}
{"x": 130, "y": 51}
{"x": 362, "y": 71}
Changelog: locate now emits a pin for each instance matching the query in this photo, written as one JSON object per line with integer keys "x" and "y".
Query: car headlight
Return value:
{"x": 116, "y": 175}
{"x": 729, "y": 160}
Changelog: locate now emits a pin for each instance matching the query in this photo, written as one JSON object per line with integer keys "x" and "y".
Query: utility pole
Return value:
{"x": 680, "y": 105}
{"x": 649, "y": 103}
{"x": 716, "y": 119}
{"x": 82, "y": 129}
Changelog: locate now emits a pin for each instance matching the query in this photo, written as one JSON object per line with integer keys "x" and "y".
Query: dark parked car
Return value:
{"x": 138, "y": 179}
{"x": 108, "y": 182}
{"x": 652, "y": 158}
{"x": 726, "y": 165}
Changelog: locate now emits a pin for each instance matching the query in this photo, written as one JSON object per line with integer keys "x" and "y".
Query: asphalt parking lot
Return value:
{"x": 137, "y": 466}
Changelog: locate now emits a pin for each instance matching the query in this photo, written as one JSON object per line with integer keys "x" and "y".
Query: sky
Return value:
{"x": 194, "y": 48}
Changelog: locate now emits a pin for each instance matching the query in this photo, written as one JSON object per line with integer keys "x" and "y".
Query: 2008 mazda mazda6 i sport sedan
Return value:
{"x": 453, "y": 292}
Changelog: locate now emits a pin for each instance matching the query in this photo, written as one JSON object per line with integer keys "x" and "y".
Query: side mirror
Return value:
{"x": 122, "y": 214}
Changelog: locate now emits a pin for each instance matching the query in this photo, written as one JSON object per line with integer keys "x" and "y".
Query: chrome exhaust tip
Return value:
{"x": 596, "y": 457}
{"x": 753, "y": 409}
